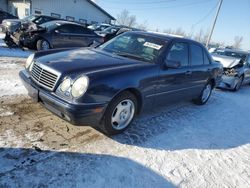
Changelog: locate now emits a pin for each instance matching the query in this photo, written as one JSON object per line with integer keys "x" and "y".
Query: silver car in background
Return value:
{"x": 236, "y": 67}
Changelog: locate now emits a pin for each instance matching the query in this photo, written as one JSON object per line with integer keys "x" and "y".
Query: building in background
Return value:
{"x": 83, "y": 11}
{"x": 4, "y": 5}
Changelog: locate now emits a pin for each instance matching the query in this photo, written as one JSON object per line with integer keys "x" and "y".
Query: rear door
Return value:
{"x": 62, "y": 36}
{"x": 173, "y": 83}
{"x": 200, "y": 68}
{"x": 82, "y": 37}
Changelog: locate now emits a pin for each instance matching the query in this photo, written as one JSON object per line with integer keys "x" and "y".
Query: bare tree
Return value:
{"x": 178, "y": 31}
{"x": 237, "y": 41}
{"x": 124, "y": 18}
{"x": 198, "y": 37}
{"x": 142, "y": 26}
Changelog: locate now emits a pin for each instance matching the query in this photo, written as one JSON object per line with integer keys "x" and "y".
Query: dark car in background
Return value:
{"x": 5, "y": 15}
{"x": 115, "y": 30}
{"x": 109, "y": 85}
{"x": 236, "y": 66}
{"x": 56, "y": 34}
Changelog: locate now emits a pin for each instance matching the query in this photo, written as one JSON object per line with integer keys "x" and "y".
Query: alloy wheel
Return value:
{"x": 123, "y": 114}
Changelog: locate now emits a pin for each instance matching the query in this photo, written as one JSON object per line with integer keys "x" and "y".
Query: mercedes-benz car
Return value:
{"x": 107, "y": 86}
{"x": 236, "y": 65}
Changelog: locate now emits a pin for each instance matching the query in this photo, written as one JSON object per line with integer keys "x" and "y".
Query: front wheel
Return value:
{"x": 42, "y": 45}
{"x": 120, "y": 113}
{"x": 205, "y": 94}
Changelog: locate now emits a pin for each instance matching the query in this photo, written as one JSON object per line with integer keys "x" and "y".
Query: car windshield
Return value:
{"x": 232, "y": 54}
{"x": 135, "y": 46}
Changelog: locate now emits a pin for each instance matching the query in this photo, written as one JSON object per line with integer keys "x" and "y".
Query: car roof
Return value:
{"x": 165, "y": 36}
{"x": 62, "y": 22}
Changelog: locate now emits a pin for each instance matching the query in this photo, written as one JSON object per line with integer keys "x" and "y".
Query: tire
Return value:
{"x": 42, "y": 45}
{"x": 120, "y": 113}
{"x": 239, "y": 83}
{"x": 205, "y": 94}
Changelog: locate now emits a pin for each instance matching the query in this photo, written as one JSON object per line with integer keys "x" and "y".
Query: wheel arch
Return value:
{"x": 134, "y": 92}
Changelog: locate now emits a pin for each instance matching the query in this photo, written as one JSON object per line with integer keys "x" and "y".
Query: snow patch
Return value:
{"x": 4, "y": 112}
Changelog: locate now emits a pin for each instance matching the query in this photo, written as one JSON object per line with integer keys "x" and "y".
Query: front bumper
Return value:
{"x": 228, "y": 82}
{"x": 78, "y": 114}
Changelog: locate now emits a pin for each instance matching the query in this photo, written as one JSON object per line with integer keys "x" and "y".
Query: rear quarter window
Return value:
{"x": 206, "y": 58}
{"x": 196, "y": 55}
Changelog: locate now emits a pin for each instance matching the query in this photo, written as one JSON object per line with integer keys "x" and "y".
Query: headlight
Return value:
{"x": 80, "y": 86}
{"x": 8, "y": 23}
{"x": 29, "y": 61}
{"x": 65, "y": 85}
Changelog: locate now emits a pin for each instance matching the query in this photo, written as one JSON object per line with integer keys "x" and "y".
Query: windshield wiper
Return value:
{"x": 133, "y": 56}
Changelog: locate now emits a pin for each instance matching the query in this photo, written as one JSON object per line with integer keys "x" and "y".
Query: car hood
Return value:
{"x": 12, "y": 21}
{"x": 227, "y": 62}
{"x": 84, "y": 60}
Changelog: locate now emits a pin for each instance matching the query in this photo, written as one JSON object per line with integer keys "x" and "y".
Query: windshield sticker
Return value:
{"x": 152, "y": 45}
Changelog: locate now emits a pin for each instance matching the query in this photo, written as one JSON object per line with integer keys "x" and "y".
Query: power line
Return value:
{"x": 205, "y": 17}
{"x": 163, "y": 7}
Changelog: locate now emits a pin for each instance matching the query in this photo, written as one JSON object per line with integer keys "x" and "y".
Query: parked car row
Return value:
{"x": 42, "y": 32}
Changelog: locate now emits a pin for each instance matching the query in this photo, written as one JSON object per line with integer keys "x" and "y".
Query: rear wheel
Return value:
{"x": 42, "y": 45}
{"x": 238, "y": 83}
{"x": 120, "y": 113}
{"x": 205, "y": 94}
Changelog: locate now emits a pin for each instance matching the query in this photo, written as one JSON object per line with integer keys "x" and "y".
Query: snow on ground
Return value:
{"x": 179, "y": 146}
{"x": 13, "y": 52}
{"x": 9, "y": 79}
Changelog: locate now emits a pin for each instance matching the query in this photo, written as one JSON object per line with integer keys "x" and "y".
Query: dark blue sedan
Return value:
{"x": 106, "y": 86}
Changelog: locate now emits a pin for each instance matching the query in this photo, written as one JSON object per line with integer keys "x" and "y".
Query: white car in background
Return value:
{"x": 236, "y": 67}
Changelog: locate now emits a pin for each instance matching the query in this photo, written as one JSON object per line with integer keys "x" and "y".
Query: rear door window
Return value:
{"x": 66, "y": 29}
{"x": 196, "y": 55}
{"x": 179, "y": 53}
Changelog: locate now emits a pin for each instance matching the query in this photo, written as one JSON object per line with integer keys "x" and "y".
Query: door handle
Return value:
{"x": 188, "y": 72}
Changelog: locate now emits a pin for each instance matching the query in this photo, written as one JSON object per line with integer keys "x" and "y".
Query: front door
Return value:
{"x": 174, "y": 84}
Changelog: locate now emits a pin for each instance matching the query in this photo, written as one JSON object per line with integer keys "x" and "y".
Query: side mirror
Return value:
{"x": 172, "y": 64}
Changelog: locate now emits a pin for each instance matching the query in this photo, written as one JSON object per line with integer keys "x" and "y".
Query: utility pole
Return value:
{"x": 215, "y": 19}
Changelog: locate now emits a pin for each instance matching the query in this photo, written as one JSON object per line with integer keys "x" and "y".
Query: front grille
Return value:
{"x": 44, "y": 78}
